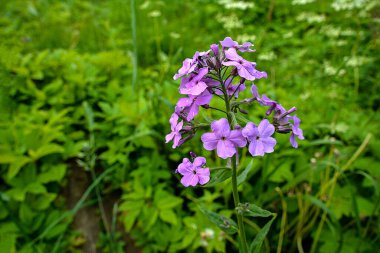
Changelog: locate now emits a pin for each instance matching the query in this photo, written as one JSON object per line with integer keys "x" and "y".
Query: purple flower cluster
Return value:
{"x": 222, "y": 72}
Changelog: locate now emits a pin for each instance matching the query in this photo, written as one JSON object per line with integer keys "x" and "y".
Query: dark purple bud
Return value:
{"x": 210, "y": 63}
{"x": 234, "y": 72}
{"x": 192, "y": 154}
{"x": 182, "y": 141}
{"x": 237, "y": 127}
{"x": 243, "y": 111}
{"x": 283, "y": 129}
{"x": 187, "y": 128}
{"x": 248, "y": 100}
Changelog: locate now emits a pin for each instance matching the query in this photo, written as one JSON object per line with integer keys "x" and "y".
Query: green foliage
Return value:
{"x": 67, "y": 105}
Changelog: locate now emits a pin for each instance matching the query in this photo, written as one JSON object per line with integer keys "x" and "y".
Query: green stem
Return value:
{"x": 235, "y": 192}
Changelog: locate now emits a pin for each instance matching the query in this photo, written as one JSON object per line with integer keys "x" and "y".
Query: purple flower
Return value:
{"x": 193, "y": 173}
{"x": 245, "y": 47}
{"x": 223, "y": 139}
{"x": 215, "y": 49}
{"x": 188, "y": 66}
{"x": 259, "y": 137}
{"x": 245, "y": 69}
{"x": 231, "y": 89}
{"x": 194, "y": 85}
{"x": 296, "y": 131}
{"x": 175, "y": 127}
{"x": 190, "y": 105}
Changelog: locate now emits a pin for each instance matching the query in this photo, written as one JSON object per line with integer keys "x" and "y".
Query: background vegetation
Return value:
{"x": 83, "y": 164}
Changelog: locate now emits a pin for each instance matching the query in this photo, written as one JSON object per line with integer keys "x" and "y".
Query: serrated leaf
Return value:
{"x": 221, "y": 175}
{"x": 259, "y": 239}
{"x": 224, "y": 223}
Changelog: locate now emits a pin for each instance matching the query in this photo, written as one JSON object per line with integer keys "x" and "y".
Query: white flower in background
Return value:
{"x": 154, "y": 14}
{"x": 229, "y": 22}
{"x": 175, "y": 35}
{"x": 267, "y": 56}
{"x": 246, "y": 37}
{"x": 331, "y": 70}
{"x": 340, "y": 5}
{"x": 302, "y": 2}
{"x": 310, "y": 17}
{"x": 341, "y": 43}
{"x": 240, "y": 5}
{"x": 331, "y": 31}
{"x": 356, "y": 61}
{"x": 288, "y": 35}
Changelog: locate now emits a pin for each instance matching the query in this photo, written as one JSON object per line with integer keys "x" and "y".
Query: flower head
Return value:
{"x": 296, "y": 131}
{"x": 245, "y": 69}
{"x": 176, "y": 128}
{"x": 231, "y": 88}
{"x": 190, "y": 105}
{"x": 223, "y": 139}
{"x": 193, "y": 84}
{"x": 193, "y": 173}
{"x": 260, "y": 140}
{"x": 245, "y": 47}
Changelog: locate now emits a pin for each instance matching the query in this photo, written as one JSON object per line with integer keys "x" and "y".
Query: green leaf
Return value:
{"x": 45, "y": 150}
{"x": 259, "y": 239}
{"x": 130, "y": 218}
{"x": 243, "y": 175}
{"x": 8, "y": 158}
{"x": 164, "y": 200}
{"x": 7, "y": 242}
{"x": 224, "y": 223}
{"x": 168, "y": 216}
{"x": 55, "y": 173}
{"x": 221, "y": 175}
{"x": 17, "y": 165}
{"x": 253, "y": 210}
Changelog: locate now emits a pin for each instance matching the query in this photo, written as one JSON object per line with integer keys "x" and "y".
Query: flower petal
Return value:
{"x": 250, "y": 131}
{"x": 203, "y": 175}
{"x": 194, "y": 109}
{"x": 237, "y": 138}
{"x": 203, "y": 98}
{"x": 293, "y": 140}
{"x": 256, "y": 148}
{"x": 190, "y": 180}
{"x": 221, "y": 127}
{"x": 268, "y": 144}
{"x": 210, "y": 141}
{"x": 199, "y": 161}
{"x": 228, "y": 42}
{"x": 265, "y": 128}
{"x": 185, "y": 167}
{"x": 196, "y": 89}
{"x": 169, "y": 137}
{"x": 225, "y": 149}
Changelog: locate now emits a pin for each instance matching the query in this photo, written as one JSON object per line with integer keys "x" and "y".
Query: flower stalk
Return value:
{"x": 235, "y": 193}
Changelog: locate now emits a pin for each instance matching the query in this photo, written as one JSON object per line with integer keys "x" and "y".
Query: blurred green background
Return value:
{"x": 85, "y": 99}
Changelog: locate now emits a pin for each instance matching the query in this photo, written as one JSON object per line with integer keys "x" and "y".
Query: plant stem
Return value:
{"x": 235, "y": 192}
